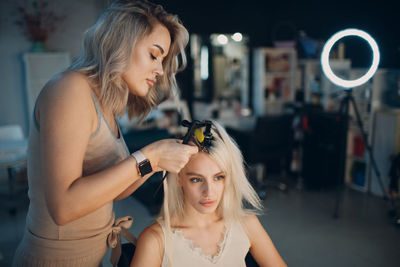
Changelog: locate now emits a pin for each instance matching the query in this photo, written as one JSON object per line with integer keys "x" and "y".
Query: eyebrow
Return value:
{"x": 198, "y": 174}
{"x": 159, "y": 47}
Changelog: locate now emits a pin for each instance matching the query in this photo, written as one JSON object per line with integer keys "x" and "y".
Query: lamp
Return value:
{"x": 348, "y": 85}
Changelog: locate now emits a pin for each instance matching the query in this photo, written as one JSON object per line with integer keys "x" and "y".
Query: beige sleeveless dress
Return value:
{"x": 233, "y": 249}
{"x": 82, "y": 242}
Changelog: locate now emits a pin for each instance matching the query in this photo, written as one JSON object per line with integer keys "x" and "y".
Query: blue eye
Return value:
{"x": 153, "y": 57}
{"x": 218, "y": 178}
{"x": 195, "y": 180}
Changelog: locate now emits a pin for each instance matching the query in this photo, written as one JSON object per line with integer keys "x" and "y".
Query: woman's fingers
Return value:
{"x": 169, "y": 154}
{"x": 177, "y": 157}
{"x": 193, "y": 148}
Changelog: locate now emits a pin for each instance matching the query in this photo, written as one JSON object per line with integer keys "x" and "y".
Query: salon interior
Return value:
{"x": 321, "y": 138}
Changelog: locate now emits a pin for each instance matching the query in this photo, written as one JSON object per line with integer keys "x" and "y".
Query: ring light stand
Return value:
{"x": 348, "y": 99}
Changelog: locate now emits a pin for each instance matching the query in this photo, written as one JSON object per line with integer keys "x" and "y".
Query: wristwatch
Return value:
{"x": 142, "y": 164}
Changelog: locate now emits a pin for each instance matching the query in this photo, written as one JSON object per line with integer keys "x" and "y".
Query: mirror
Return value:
{"x": 220, "y": 68}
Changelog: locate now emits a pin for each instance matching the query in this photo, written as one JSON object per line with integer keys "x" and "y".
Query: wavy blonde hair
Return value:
{"x": 239, "y": 197}
{"x": 107, "y": 51}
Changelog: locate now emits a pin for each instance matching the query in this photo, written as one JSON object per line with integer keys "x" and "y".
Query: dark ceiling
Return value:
{"x": 319, "y": 19}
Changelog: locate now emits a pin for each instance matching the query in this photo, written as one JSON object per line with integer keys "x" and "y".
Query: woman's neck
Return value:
{"x": 194, "y": 218}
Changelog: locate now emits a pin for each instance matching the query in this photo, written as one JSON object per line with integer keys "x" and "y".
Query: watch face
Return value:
{"x": 145, "y": 167}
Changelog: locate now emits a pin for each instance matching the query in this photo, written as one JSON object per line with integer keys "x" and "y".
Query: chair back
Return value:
{"x": 273, "y": 137}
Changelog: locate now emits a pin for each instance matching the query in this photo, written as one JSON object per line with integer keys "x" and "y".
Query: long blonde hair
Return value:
{"x": 108, "y": 50}
{"x": 239, "y": 197}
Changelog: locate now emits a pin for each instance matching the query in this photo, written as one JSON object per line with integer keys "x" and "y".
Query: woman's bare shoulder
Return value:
{"x": 65, "y": 91}
{"x": 153, "y": 232}
{"x": 66, "y": 84}
{"x": 250, "y": 222}
{"x": 67, "y": 97}
{"x": 151, "y": 239}
{"x": 250, "y": 219}
{"x": 150, "y": 247}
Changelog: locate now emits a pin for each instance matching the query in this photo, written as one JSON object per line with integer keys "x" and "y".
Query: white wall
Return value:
{"x": 79, "y": 15}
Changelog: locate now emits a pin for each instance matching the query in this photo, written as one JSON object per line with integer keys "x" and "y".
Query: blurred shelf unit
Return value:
{"x": 385, "y": 144}
{"x": 378, "y": 103}
{"x": 357, "y": 162}
{"x": 274, "y": 78}
{"x": 39, "y": 68}
{"x": 385, "y": 124}
{"x": 317, "y": 88}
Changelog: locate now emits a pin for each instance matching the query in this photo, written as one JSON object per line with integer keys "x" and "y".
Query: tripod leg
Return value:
{"x": 371, "y": 156}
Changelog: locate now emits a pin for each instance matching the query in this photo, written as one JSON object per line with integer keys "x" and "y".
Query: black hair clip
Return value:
{"x": 203, "y": 140}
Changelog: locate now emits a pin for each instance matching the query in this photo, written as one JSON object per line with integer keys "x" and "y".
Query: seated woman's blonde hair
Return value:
{"x": 239, "y": 197}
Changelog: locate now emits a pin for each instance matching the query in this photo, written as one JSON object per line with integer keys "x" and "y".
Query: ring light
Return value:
{"x": 327, "y": 49}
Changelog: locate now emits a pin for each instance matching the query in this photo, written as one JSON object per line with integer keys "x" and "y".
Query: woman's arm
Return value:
{"x": 261, "y": 247}
{"x": 132, "y": 188}
{"x": 169, "y": 159}
{"x": 149, "y": 248}
{"x": 67, "y": 119}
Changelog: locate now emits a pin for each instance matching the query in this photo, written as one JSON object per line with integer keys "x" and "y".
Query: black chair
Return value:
{"x": 324, "y": 150}
{"x": 267, "y": 149}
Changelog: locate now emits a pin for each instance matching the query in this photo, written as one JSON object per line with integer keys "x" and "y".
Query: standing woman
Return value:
{"x": 78, "y": 161}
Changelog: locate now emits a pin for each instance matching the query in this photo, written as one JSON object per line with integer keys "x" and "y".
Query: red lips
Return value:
{"x": 207, "y": 203}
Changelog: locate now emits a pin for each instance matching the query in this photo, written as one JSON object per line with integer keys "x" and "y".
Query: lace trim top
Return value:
{"x": 232, "y": 249}
{"x": 198, "y": 251}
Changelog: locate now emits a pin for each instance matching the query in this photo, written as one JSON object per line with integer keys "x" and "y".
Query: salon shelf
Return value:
{"x": 381, "y": 124}
{"x": 274, "y": 78}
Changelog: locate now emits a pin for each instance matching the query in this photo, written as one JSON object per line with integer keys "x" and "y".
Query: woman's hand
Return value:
{"x": 168, "y": 154}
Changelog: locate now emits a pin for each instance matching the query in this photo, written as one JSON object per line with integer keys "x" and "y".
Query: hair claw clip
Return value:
{"x": 203, "y": 140}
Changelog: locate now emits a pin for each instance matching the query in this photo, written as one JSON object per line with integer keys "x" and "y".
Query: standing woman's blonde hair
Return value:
{"x": 238, "y": 192}
{"x": 108, "y": 48}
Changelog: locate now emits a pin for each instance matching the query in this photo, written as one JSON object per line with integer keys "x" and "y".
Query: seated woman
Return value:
{"x": 204, "y": 221}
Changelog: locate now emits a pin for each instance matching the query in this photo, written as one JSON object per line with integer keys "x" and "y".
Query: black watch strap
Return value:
{"x": 142, "y": 163}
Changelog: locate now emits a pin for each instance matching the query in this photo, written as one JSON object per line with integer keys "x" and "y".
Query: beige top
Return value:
{"x": 104, "y": 150}
{"x": 232, "y": 252}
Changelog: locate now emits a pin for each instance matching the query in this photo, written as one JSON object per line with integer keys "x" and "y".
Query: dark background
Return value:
{"x": 319, "y": 19}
